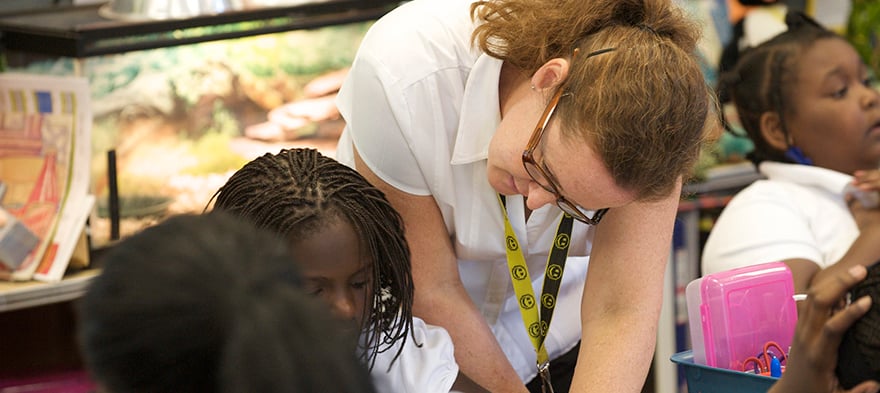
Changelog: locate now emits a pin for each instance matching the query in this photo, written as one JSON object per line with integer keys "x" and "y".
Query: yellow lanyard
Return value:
{"x": 537, "y": 323}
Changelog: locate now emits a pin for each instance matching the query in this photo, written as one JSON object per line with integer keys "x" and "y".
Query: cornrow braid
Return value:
{"x": 297, "y": 191}
{"x": 762, "y": 80}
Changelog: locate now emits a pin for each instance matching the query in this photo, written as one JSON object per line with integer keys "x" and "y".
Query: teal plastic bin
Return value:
{"x": 705, "y": 379}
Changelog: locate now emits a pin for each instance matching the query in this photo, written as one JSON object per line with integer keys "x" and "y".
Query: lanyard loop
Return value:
{"x": 537, "y": 323}
{"x": 544, "y": 372}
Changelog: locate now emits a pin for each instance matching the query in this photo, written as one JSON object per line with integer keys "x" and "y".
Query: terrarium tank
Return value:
{"x": 182, "y": 118}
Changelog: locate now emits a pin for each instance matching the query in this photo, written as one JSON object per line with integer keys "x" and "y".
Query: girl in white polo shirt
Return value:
{"x": 807, "y": 102}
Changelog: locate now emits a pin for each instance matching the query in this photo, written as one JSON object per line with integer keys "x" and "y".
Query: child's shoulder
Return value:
{"x": 429, "y": 344}
{"x": 426, "y": 363}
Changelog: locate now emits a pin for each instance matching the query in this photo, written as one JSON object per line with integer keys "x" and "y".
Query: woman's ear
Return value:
{"x": 771, "y": 130}
{"x": 551, "y": 74}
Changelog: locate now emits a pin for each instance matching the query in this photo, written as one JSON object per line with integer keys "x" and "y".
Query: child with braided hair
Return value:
{"x": 807, "y": 102}
{"x": 352, "y": 253}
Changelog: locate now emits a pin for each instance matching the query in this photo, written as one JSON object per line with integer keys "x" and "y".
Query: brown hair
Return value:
{"x": 644, "y": 107}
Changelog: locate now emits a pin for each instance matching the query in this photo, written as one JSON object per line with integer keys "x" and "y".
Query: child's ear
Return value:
{"x": 771, "y": 130}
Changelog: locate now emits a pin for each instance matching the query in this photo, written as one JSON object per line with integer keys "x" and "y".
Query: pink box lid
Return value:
{"x": 740, "y": 310}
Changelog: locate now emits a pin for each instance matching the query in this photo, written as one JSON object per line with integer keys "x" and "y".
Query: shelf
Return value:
{"x": 80, "y": 31}
{"x": 724, "y": 178}
{"x": 18, "y": 295}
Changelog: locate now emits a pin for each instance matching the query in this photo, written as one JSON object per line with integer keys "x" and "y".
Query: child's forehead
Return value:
{"x": 828, "y": 57}
{"x": 330, "y": 238}
{"x": 331, "y": 256}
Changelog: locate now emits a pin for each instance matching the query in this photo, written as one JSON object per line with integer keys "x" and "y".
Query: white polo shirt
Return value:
{"x": 798, "y": 212}
{"x": 421, "y": 104}
{"x": 429, "y": 368}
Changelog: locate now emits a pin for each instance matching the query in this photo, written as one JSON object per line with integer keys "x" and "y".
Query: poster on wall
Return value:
{"x": 45, "y": 143}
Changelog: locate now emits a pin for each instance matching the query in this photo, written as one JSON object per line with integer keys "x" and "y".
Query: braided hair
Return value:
{"x": 763, "y": 80}
{"x": 296, "y": 191}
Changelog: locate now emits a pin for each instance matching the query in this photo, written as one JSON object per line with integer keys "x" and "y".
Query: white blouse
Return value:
{"x": 421, "y": 104}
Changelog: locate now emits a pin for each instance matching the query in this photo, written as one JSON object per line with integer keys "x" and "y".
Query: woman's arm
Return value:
{"x": 623, "y": 294}
{"x": 440, "y": 296}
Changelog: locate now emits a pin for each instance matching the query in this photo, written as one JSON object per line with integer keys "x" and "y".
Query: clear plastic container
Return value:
{"x": 733, "y": 314}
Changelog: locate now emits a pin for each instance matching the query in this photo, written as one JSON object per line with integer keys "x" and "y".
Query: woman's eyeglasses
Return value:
{"x": 541, "y": 175}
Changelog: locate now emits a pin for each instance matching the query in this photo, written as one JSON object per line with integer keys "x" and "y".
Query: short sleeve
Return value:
{"x": 427, "y": 363}
{"x": 377, "y": 115}
{"x": 761, "y": 224}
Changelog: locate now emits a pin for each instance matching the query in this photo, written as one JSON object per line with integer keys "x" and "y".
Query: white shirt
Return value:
{"x": 798, "y": 212}
{"x": 421, "y": 104}
{"x": 430, "y": 368}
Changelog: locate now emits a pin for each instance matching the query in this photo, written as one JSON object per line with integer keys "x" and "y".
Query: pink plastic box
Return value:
{"x": 732, "y": 314}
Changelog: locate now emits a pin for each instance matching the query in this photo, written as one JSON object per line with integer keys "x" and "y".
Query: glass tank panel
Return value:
{"x": 182, "y": 119}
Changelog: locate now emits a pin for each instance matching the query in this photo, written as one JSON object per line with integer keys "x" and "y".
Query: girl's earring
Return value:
{"x": 795, "y": 154}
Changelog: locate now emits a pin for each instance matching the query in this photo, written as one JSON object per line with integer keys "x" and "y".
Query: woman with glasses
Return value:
{"x": 535, "y": 150}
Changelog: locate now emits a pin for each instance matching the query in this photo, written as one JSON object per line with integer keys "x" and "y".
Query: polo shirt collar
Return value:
{"x": 480, "y": 112}
{"x": 807, "y": 175}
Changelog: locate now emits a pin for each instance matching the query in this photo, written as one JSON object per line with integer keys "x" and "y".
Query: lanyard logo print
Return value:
{"x": 537, "y": 323}
{"x": 519, "y": 273}
{"x": 527, "y": 301}
{"x": 561, "y": 240}
{"x": 548, "y": 301}
{"x": 512, "y": 244}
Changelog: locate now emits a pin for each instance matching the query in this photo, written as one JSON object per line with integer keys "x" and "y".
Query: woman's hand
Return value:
{"x": 813, "y": 355}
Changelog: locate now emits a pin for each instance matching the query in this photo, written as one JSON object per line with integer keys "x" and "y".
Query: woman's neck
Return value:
{"x": 513, "y": 84}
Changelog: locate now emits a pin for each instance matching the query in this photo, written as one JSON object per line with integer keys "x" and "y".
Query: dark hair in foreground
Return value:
{"x": 764, "y": 78}
{"x": 858, "y": 358}
{"x": 210, "y": 304}
{"x": 297, "y": 191}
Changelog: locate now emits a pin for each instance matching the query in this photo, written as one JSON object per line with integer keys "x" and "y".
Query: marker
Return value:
{"x": 775, "y": 367}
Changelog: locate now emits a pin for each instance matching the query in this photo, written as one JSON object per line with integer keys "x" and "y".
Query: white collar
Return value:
{"x": 807, "y": 175}
{"x": 480, "y": 112}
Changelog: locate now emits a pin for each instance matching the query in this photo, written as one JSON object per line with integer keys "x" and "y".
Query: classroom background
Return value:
{"x": 177, "y": 103}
